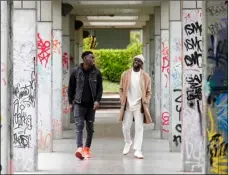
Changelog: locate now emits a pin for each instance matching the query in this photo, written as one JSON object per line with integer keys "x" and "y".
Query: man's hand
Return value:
{"x": 96, "y": 105}
{"x": 71, "y": 107}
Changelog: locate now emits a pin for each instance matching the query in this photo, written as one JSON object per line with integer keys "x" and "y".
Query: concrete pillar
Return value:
{"x": 146, "y": 46}
{"x": 44, "y": 75}
{"x": 192, "y": 116}
{"x": 72, "y": 54}
{"x": 157, "y": 67}
{"x": 57, "y": 118}
{"x": 66, "y": 69}
{"x": 215, "y": 75}
{"x": 24, "y": 105}
{"x": 152, "y": 66}
{"x": 79, "y": 45}
{"x": 175, "y": 55}
{"x": 6, "y": 85}
{"x": 165, "y": 84}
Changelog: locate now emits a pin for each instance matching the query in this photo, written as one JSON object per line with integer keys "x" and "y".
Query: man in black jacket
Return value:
{"x": 85, "y": 91}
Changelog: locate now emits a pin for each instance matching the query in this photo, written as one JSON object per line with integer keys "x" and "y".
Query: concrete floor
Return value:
{"x": 107, "y": 155}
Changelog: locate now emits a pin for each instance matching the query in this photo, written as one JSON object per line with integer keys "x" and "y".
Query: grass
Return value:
{"x": 110, "y": 86}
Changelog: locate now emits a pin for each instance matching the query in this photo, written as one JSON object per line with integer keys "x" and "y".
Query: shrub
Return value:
{"x": 112, "y": 62}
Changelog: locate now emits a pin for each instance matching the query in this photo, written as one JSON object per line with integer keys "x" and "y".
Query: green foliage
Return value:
{"x": 112, "y": 62}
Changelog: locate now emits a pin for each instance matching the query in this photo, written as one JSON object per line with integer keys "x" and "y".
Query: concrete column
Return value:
{"x": 24, "y": 105}
{"x": 165, "y": 84}
{"x": 44, "y": 75}
{"x": 6, "y": 86}
{"x": 57, "y": 118}
{"x": 157, "y": 69}
{"x": 79, "y": 45}
{"x": 175, "y": 55}
{"x": 72, "y": 54}
{"x": 146, "y": 47}
{"x": 192, "y": 116}
{"x": 215, "y": 75}
{"x": 66, "y": 69}
{"x": 152, "y": 66}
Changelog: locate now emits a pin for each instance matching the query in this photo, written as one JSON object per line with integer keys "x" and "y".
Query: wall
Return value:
{"x": 6, "y": 83}
{"x": 192, "y": 117}
{"x": 165, "y": 84}
{"x": 57, "y": 119}
{"x": 44, "y": 87}
{"x": 157, "y": 67}
{"x": 217, "y": 87}
{"x": 24, "y": 104}
{"x": 112, "y": 38}
{"x": 175, "y": 76}
{"x": 66, "y": 70}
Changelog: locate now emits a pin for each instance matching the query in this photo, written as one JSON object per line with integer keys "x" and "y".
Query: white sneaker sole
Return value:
{"x": 128, "y": 151}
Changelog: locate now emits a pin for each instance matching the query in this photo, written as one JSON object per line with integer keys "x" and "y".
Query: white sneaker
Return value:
{"x": 127, "y": 148}
{"x": 138, "y": 154}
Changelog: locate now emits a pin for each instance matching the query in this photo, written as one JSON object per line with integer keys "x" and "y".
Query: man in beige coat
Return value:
{"x": 135, "y": 94}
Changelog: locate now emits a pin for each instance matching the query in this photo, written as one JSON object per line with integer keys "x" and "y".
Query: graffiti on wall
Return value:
{"x": 24, "y": 105}
{"x": 57, "y": 85}
{"x": 192, "y": 87}
{"x": 44, "y": 86}
{"x": 217, "y": 87}
{"x": 165, "y": 116}
{"x": 65, "y": 81}
{"x": 157, "y": 80}
{"x": 175, "y": 84}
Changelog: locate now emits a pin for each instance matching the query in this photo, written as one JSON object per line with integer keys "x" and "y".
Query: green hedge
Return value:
{"x": 112, "y": 62}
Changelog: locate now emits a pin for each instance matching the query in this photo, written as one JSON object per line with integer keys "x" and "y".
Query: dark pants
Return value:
{"x": 82, "y": 114}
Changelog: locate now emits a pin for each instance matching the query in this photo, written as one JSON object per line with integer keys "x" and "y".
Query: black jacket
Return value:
{"x": 76, "y": 85}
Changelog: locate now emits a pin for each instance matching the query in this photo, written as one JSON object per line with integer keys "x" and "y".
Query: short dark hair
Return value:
{"x": 86, "y": 53}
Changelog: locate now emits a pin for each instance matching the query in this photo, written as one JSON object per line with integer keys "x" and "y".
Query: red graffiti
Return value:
{"x": 3, "y": 69}
{"x": 44, "y": 140}
{"x": 65, "y": 61}
{"x": 57, "y": 125}
{"x": 72, "y": 59}
{"x": 43, "y": 49}
{"x": 56, "y": 46}
{"x": 165, "y": 120}
{"x": 65, "y": 99}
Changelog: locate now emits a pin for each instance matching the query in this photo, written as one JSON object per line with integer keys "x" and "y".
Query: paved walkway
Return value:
{"x": 107, "y": 153}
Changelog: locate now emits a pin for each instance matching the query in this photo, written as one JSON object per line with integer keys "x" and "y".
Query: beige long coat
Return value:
{"x": 146, "y": 93}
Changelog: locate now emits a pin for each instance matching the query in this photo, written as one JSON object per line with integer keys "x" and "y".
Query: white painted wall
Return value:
{"x": 65, "y": 69}
{"x": 57, "y": 117}
{"x": 24, "y": 93}
{"x": 175, "y": 85}
{"x": 44, "y": 87}
{"x": 65, "y": 81}
{"x": 5, "y": 90}
{"x": 165, "y": 94}
{"x": 157, "y": 67}
{"x": 192, "y": 140}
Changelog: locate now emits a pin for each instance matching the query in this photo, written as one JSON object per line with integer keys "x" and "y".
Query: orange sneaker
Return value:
{"x": 87, "y": 153}
{"x": 79, "y": 153}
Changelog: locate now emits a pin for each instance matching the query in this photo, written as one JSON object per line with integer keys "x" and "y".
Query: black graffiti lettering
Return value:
{"x": 23, "y": 102}
{"x": 193, "y": 28}
{"x": 217, "y": 147}
{"x": 21, "y": 141}
{"x": 194, "y": 94}
{"x": 191, "y": 44}
{"x": 177, "y": 139}
{"x": 178, "y": 128}
{"x": 193, "y": 59}
{"x": 217, "y": 10}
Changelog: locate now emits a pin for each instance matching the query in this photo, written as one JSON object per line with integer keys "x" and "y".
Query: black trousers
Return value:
{"x": 82, "y": 114}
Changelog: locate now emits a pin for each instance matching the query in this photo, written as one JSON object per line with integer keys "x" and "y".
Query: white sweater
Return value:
{"x": 134, "y": 93}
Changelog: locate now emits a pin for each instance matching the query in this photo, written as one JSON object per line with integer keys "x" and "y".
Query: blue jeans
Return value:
{"x": 82, "y": 114}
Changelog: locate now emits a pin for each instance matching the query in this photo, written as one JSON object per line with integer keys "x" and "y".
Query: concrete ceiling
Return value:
{"x": 113, "y": 9}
